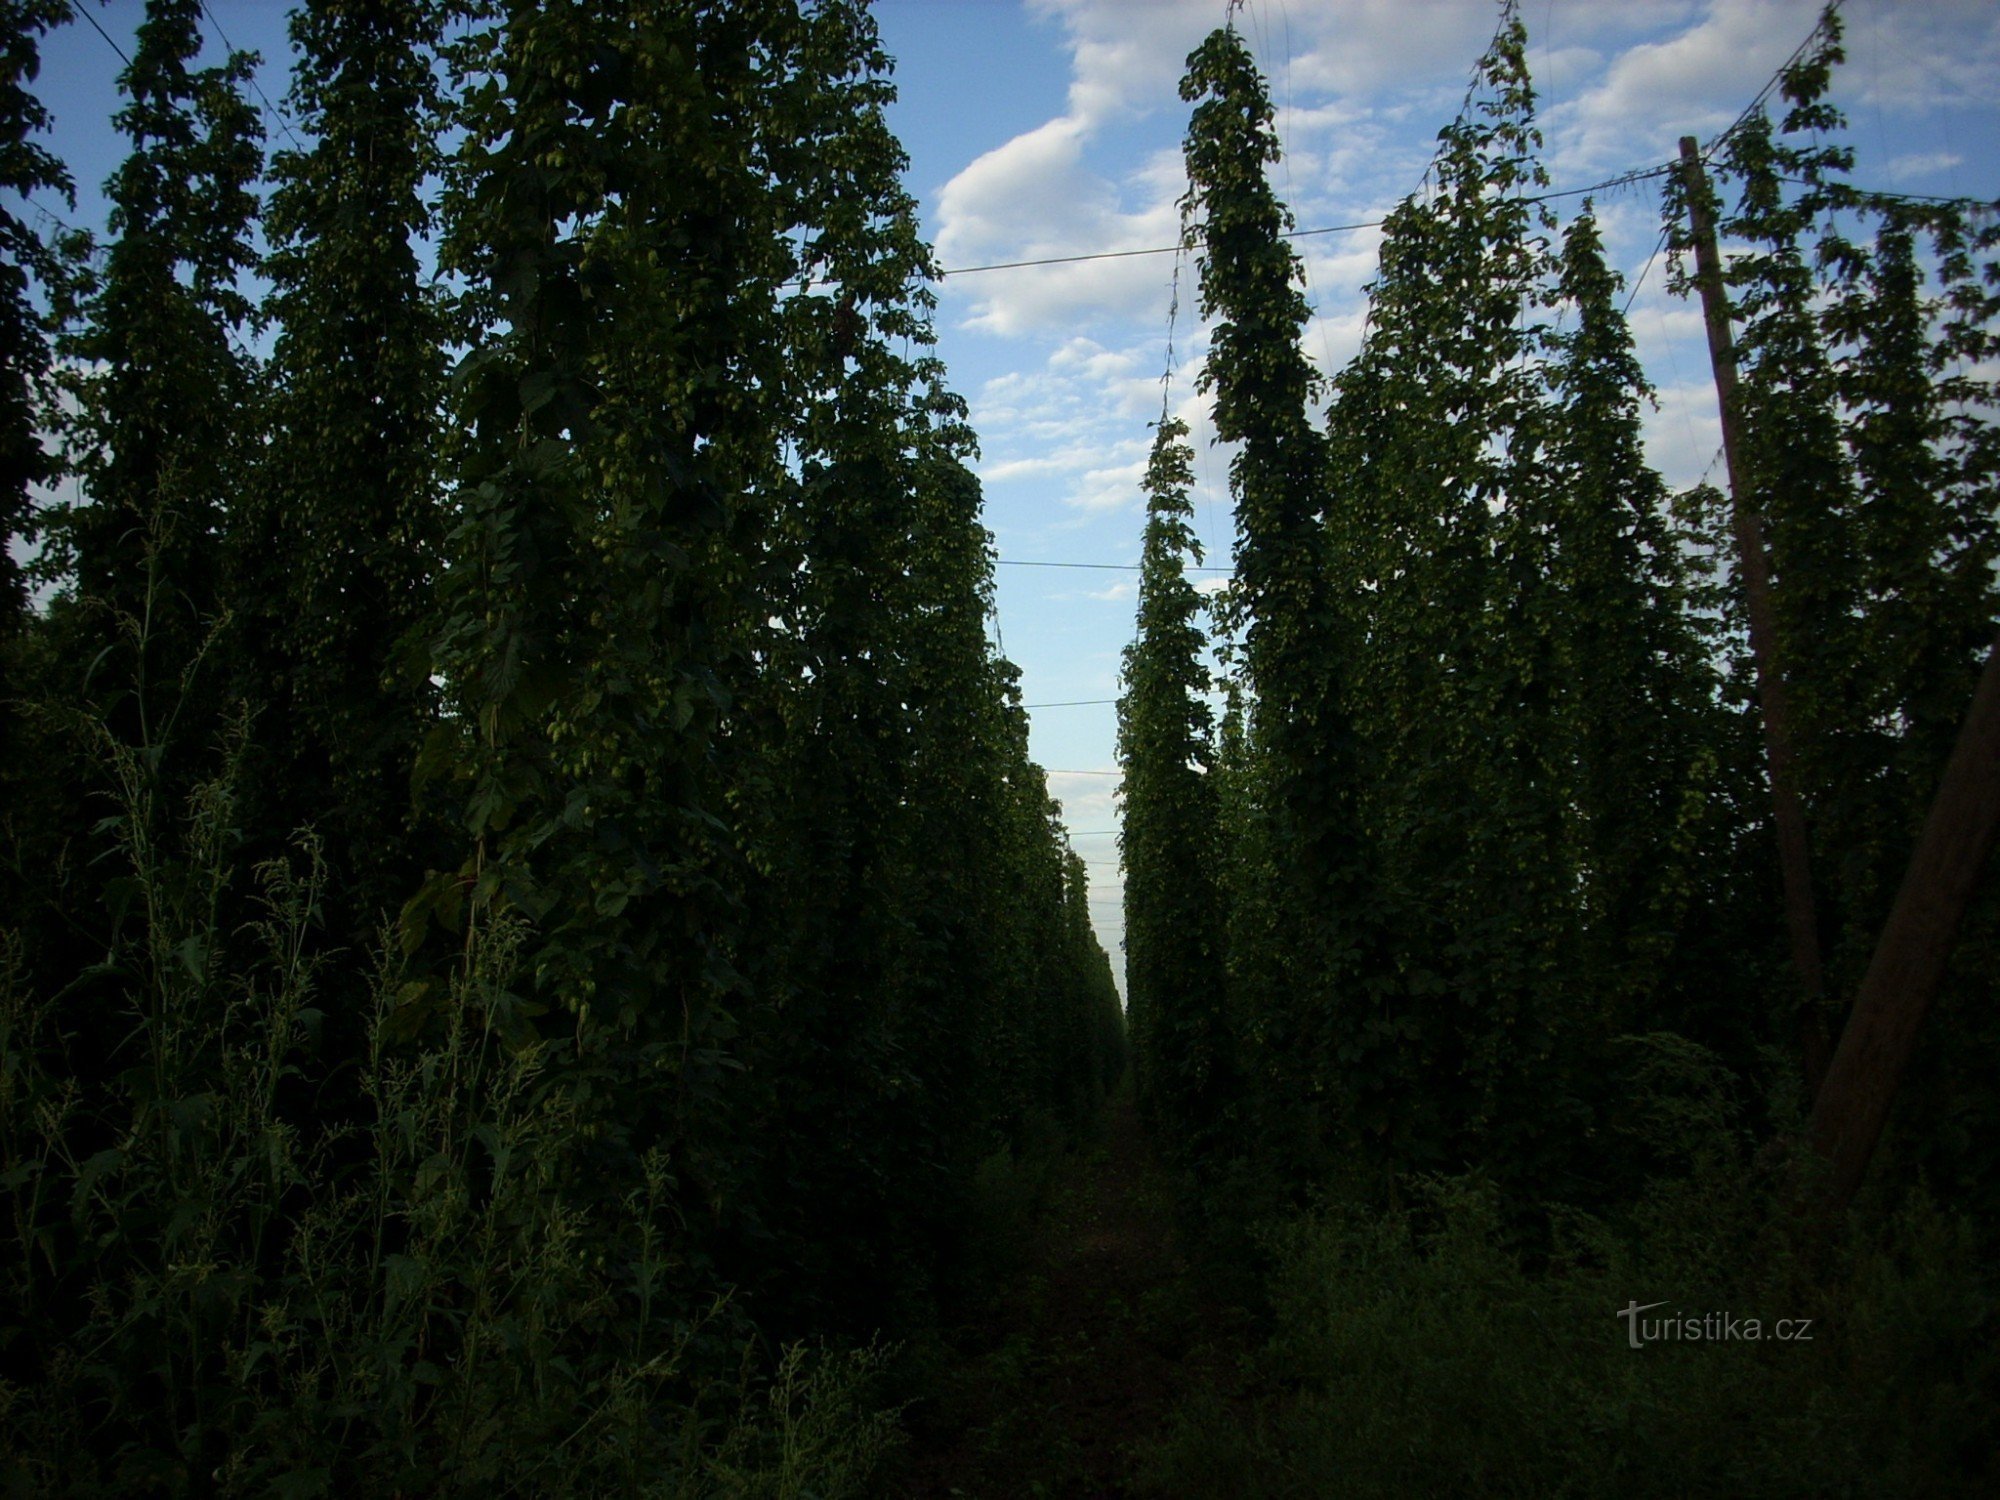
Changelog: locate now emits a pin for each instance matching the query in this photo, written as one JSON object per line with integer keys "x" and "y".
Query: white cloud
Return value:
{"x": 1903, "y": 59}
{"x": 1088, "y": 358}
{"x": 1692, "y": 83}
{"x": 1919, "y": 58}
{"x": 1088, "y": 802}
{"x": 1558, "y": 71}
{"x": 1037, "y": 196}
{"x": 1072, "y": 459}
{"x": 1081, "y": 421}
{"x": 1127, "y": 57}
{"x": 1033, "y": 199}
{"x": 982, "y": 203}
{"x": 1373, "y": 48}
{"x": 1110, "y": 488}
{"x": 1921, "y": 164}
{"x": 1682, "y": 436}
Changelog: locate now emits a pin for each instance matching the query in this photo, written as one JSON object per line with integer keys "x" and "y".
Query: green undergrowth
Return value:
{"x": 1044, "y": 1367}
{"x": 1006, "y": 1208}
{"x": 212, "y": 1287}
{"x": 1458, "y": 1345}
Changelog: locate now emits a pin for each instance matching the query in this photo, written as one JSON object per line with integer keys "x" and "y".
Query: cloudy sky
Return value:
{"x": 1045, "y": 128}
{"x": 1053, "y": 127}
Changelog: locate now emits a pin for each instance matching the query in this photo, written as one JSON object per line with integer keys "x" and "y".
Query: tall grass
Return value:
{"x": 1447, "y": 1349}
{"x": 212, "y": 1287}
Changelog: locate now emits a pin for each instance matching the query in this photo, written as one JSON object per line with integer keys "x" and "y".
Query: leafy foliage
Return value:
{"x": 1293, "y": 654}
{"x": 1872, "y": 454}
{"x": 25, "y": 167}
{"x": 732, "y": 927}
{"x": 162, "y": 388}
{"x": 336, "y": 541}
{"x": 1174, "y": 957}
{"x": 1487, "y": 795}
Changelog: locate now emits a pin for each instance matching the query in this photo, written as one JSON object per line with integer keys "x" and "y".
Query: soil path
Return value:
{"x": 1064, "y": 1377}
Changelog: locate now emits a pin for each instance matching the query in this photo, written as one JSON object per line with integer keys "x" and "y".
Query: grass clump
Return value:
{"x": 235, "y": 1265}
{"x": 1450, "y": 1347}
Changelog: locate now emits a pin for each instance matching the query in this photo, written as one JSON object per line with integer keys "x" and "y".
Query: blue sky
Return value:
{"x": 1052, "y": 127}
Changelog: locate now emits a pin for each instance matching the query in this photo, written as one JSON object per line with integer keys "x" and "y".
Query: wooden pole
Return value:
{"x": 1788, "y": 817}
{"x": 1909, "y": 961}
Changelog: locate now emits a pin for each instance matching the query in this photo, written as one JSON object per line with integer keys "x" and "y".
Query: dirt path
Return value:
{"x": 1078, "y": 1359}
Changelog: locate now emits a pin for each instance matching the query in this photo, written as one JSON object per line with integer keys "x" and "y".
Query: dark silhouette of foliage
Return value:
{"x": 337, "y": 541}
{"x": 163, "y": 386}
{"x": 1293, "y": 654}
{"x": 1170, "y": 829}
{"x": 1488, "y": 798}
{"x": 734, "y": 928}
{"x": 26, "y": 261}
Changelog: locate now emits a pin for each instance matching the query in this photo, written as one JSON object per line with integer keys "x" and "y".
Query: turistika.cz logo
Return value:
{"x": 1706, "y": 1328}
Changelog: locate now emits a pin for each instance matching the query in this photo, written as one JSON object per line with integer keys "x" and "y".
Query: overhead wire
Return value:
{"x": 1623, "y": 179}
{"x": 84, "y": 11}
{"x": 945, "y": 273}
{"x": 1879, "y": 195}
{"x": 270, "y": 109}
{"x": 1776, "y": 78}
{"x": 1666, "y": 232}
{"x": 1019, "y": 562}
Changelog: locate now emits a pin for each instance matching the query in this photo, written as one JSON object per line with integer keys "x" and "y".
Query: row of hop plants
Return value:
{"x": 1462, "y": 994}
{"x": 529, "y": 907}
{"x": 1490, "y": 792}
{"x": 214, "y": 1287}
